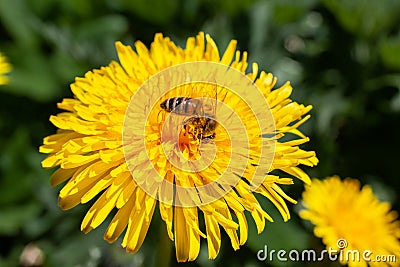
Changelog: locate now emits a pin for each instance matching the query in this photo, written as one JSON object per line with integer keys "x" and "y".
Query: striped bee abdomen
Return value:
{"x": 182, "y": 106}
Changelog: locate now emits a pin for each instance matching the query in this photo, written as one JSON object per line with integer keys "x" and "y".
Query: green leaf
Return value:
{"x": 289, "y": 11}
{"x": 389, "y": 51}
{"x": 17, "y": 19}
{"x": 14, "y": 217}
{"x": 102, "y": 26}
{"x": 152, "y": 11}
{"x": 15, "y": 166}
{"x": 364, "y": 18}
{"x": 33, "y": 77}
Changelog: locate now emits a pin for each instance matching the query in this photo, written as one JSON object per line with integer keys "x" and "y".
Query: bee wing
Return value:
{"x": 172, "y": 126}
{"x": 209, "y": 99}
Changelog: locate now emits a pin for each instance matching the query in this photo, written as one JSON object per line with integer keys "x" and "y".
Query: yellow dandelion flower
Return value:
{"x": 186, "y": 129}
{"x": 5, "y": 67}
{"x": 353, "y": 220}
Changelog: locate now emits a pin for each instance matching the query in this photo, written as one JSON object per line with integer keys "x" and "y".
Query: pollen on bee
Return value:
{"x": 189, "y": 144}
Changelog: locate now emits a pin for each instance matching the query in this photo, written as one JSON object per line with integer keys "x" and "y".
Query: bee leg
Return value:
{"x": 186, "y": 129}
{"x": 201, "y": 135}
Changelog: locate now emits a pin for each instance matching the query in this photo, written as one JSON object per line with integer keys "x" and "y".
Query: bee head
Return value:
{"x": 212, "y": 124}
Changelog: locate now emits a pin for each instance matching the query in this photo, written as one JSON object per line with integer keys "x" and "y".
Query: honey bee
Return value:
{"x": 201, "y": 123}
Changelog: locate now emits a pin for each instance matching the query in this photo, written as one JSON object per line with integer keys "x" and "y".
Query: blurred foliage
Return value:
{"x": 343, "y": 57}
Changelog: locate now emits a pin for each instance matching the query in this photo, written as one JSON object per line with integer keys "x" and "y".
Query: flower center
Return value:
{"x": 189, "y": 141}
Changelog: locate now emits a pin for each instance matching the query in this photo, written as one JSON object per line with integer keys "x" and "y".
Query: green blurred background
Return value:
{"x": 343, "y": 57}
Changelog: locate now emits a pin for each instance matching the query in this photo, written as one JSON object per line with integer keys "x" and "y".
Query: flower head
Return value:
{"x": 206, "y": 157}
{"x": 5, "y": 67}
{"x": 351, "y": 218}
